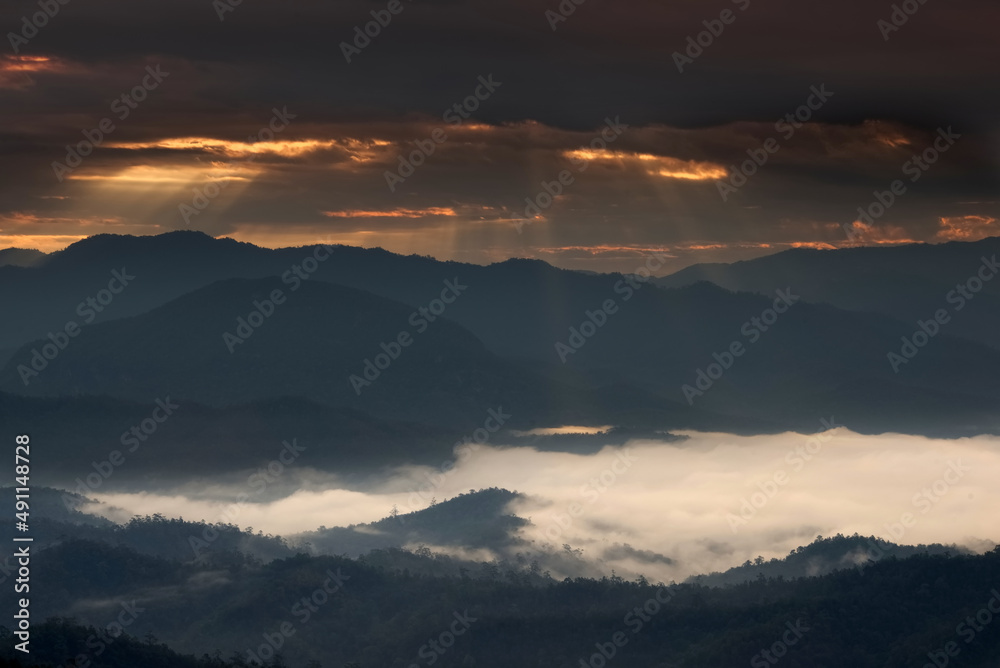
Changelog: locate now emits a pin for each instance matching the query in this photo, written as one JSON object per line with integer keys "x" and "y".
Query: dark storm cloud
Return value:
{"x": 607, "y": 57}
{"x": 606, "y": 60}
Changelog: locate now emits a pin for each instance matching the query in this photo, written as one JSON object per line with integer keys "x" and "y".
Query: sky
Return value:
{"x": 278, "y": 124}
{"x": 703, "y": 504}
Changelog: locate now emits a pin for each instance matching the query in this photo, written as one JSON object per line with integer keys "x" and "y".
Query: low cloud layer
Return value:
{"x": 668, "y": 510}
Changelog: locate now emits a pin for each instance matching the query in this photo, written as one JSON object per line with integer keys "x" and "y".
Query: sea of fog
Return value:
{"x": 705, "y": 503}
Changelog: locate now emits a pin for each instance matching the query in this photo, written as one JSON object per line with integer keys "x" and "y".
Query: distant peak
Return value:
{"x": 21, "y": 257}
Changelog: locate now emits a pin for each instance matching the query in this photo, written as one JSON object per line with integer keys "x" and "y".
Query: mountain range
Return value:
{"x": 415, "y": 340}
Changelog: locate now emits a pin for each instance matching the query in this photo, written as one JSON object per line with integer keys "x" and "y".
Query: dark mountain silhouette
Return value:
{"x": 204, "y": 440}
{"x": 908, "y": 282}
{"x": 891, "y": 612}
{"x": 498, "y": 340}
{"x": 477, "y": 520}
{"x": 310, "y": 347}
{"x": 20, "y": 257}
{"x": 816, "y": 361}
{"x": 823, "y": 556}
{"x": 244, "y": 586}
{"x": 46, "y": 296}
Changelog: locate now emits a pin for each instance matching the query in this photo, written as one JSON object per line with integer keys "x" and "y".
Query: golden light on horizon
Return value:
{"x": 702, "y": 247}
{"x": 598, "y": 249}
{"x": 46, "y": 243}
{"x": 16, "y": 229}
{"x": 967, "y": 228}
{"x": 883, "y": 235}
{"x": 394, "y": 240}
{"x": 817, "y": 245}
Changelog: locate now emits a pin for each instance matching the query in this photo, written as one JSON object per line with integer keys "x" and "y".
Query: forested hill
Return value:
{"x": 891, "y": 612}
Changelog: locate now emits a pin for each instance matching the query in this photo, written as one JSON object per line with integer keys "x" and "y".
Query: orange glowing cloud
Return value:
{"x": 146, "y": 175}
{"x": 967, "y": 228}
{"x": 701, "y": 247}
{"x": 887, "y": 134}
{"x": 32, "y": 219}
{"x": 475, "y": 127}
{"x": 602, "y": 249}
{"x": 655, "y": 165}
{"x": 892, "y": 141}
{"x": 16, "y": 71}
{"x": 817, "y": 245}
{"x": 393, "y": 213}
{"x": 864, "y": 233}
{"x": 358, "y": 150}
{"x": 26, "y": 63}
